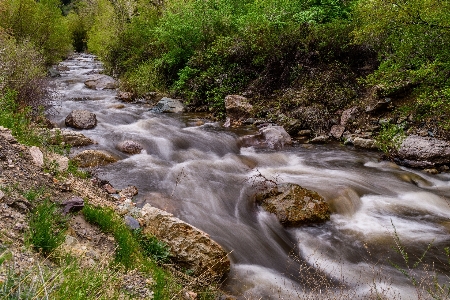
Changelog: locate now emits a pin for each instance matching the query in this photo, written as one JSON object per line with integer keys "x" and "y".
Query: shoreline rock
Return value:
{"x": 190, "y": 247}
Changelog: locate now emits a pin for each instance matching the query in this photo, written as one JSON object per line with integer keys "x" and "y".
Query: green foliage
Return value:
{"x": 413, "y": 42}
{"x": 39, "y": 22}
{"x": 157, "y": 250}
{"x": 390, "y": 137}
{"x": 47, "y": 228}
{"x": 18, "y": 120}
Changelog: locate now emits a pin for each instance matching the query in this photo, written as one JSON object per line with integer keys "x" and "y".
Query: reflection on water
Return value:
{"x": 196, "y": 170}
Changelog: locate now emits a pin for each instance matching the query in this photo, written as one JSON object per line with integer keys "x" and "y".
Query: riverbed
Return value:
{"x": 197, "y": 170}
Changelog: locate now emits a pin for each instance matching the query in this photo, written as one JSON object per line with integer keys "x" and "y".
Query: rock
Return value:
{"x": 53, "y": 72}
{"x": 73, "y": 204}
{"x": 431, "y": 171}
{"x": 56, "y": 162}
{"x": 70, "y": 137}
{"x": 37, "y": 155}
{"x": 292, "y": 126}
{"x": 189, "y": 295}
{"x": 272, "y": 137}
{"x": 379, "y": 106}
{"x": 190, "y": 247}
{"x": 109, "y": 189}
{"x": 131, "y": 222}
{"x": 304, "y": 132}
{"x": 129, "y": 192}
{"x": 237, "y": 107}
{"x": 6, "y": 134}
{"x": 94, "y": 158}
{"x": 101, "y": 82}
{"x": 130, "y": 147}
{"x": 125, "y": 96}
{"x": 349, "y": 115}
{"x": 2, "y": 195}
{"x": 294, "y": 205}
{"x": 337, "y": 131}
{"x": 81, "y": 119}
{"x": 423, "y": 152}
{"x": 117, "y": 106}
{"x": 321, "y": 139}
{"x": 168, "y": 105}
{"x": 275, "y": 137}
{"x": 365, "y": 143}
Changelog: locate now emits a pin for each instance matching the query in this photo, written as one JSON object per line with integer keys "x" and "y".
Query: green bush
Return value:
{"x": 47, "y": 228}
{"x": 39, "y": 22}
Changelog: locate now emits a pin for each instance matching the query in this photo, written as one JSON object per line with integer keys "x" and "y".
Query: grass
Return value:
{"x": 47, "y": 228}
{"x": 64, "y": 280}
{"x": 134, "y": 250}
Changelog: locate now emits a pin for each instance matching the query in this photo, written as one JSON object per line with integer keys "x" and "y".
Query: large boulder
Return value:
{"x": 423, "y": 152}
{"x": 237, "y": 107}
{"x": 294, "y": 205}
{"x": 101, "y": 82}
{"x": 272, "y": 137}
{"x": 190, "y": 247}
{"x": 94, "y": 158}
{"x": 69, "y": 137}
{"x": 168, "y": 105}
{"x": 81, "y": 119}
{"x": 130, "y": 147}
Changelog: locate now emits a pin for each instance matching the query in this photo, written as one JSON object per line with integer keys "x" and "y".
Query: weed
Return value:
{"x": 390, "y": 137}
{"x": 157, "y": 250}
{"x": 33, "y": 193}
{"x": 47, "y": 228}
{"x": 422, "y": 276}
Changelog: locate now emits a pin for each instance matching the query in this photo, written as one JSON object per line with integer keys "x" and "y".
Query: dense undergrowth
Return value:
{"x": 331, "y": 53}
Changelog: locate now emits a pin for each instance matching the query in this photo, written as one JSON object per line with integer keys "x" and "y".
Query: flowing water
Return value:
{"x": 196, "y": 170}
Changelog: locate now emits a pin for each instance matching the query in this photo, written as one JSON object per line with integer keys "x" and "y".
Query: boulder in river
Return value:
{"x": 237, "y": 107}
{"x": 130, "y": 147}
{"x": 168, "y": 105}
{"x": 70, "y": 137}
{"x": 423, "y": 152}
{"x": 190, "y": 247}
{"x": 81, "y": 119}
{"x": 272, "y": 137}
{"x": 101, "y": 82}
{"x": 94, "y": 158}
{"x": 294, "y": 205}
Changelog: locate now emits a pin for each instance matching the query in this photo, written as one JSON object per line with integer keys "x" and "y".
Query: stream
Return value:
{"x": 195, "y": 169}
